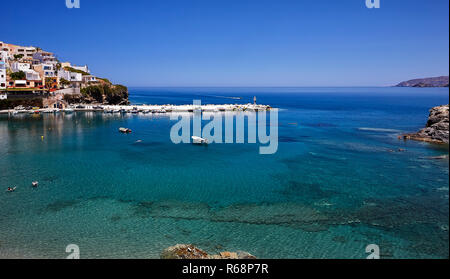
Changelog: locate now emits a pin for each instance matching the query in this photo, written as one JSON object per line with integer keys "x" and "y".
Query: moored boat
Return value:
{"x": 199, "y": 140}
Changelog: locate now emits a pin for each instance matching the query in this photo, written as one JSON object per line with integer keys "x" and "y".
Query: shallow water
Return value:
{"x": 336, "y": 184}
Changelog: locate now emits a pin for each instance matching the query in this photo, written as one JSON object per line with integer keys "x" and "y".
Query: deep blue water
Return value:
{"x": 337, "y": 183}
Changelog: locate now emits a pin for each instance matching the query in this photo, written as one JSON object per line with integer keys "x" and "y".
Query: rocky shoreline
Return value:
{"x": 189, "y": 251}
{"x": 437, "y": 127}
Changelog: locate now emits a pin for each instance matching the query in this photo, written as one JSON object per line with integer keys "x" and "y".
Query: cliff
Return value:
{"x": 189, "y": 251}
{"x": 437, "y": 128}
{"x": 104, "y": 94}
{"x": 425, "y": 82}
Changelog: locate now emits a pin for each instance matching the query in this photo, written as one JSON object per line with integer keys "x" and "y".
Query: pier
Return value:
{"x": 143, "y": 108}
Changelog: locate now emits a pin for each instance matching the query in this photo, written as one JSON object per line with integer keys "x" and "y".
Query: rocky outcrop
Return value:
{"x": 107, "y": 94}
{"x": 425, "y": 82}
{"x": 436, "y": 130}
{"x": 189, "y": 251}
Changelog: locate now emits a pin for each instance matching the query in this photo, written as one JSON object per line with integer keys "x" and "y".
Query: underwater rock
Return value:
{"x": 189, "y": 251}
{"x": 437, "y": 128}
{"x": 183, "y": 251}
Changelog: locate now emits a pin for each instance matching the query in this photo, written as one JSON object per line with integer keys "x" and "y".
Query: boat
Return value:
{"x": 68, "y": 110}
{"x": 11, "y": 189}
{"x": 34, "y": 184}
{"x": 199, "y": 140}
{"x": 108, "y": 111}
{"x": 124, "y": 130}
{"x": 116, "y": 110}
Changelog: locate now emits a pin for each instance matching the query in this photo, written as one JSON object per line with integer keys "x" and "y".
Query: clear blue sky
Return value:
{"x": 239, "y": 42}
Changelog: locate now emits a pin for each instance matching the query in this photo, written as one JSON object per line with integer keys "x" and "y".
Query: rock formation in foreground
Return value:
{"x": 189, "y": 251}
{"x": 437, "y": 127}
{"x": 425, "y": 82}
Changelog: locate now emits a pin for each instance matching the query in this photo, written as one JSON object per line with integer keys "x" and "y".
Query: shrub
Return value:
{"x": 20, "y": 75}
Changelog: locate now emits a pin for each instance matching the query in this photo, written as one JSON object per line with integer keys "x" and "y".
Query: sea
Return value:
{"x": 340, "y": 180}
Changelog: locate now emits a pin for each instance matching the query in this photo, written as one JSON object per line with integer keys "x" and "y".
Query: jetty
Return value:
{"x": 141, "y": 108}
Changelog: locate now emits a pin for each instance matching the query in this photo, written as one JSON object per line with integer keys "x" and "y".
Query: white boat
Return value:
{"x": 124, "y": 130}
{"x": 68, "y": 110}
{"x": 199, "y": 140}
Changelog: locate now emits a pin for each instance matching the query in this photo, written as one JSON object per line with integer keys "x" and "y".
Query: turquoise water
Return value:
{"x": 337, "y": 183}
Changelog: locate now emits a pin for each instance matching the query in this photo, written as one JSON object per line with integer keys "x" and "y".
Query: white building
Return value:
{"x": 18, "y": 66}
{"x": 45, "y": 57}
{"x": 82, "y": 68}
{"x": 4, "y": 55}
{"x": 89, "y": 78}
{"x": 69, "y": 76}
{"x": 3, "y": 61}
{"x": 49, "y": 70}
{"x": 32, "y": 75}
{"x": 2, "y": 75}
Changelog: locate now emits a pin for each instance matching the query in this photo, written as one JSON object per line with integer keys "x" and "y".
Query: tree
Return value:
{"x": 48, "y": 82}
{"x": 20, "y": 75}
{"x": 18, "y": 56}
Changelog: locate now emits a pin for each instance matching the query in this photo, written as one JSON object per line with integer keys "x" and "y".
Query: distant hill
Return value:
{"x": 425, "y": 82}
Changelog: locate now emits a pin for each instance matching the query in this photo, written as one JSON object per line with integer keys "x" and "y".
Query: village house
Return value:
{"x": 3, "y": 61}
{"x": 19, "y": 66}
{"x": 2, "y": 75}
{"x": 75, "y": 79}
{"x": 45, "y": 70}
{"x": 44, "y": 57}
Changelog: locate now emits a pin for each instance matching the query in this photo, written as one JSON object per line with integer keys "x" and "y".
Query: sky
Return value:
{"x": 239, "y": 43}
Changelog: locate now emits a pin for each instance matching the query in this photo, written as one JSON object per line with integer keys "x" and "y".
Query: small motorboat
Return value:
{"x": 34, "y": 184}
{"x": 124, "y": 130}
{"x": 199, "y": 140}
{"x": 11, "y": 189}
{"x": 68, "y": 110}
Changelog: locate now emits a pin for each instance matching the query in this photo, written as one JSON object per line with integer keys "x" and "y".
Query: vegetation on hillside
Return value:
{"x": 73, "y": 70}
{"x": 104, "y": 93}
